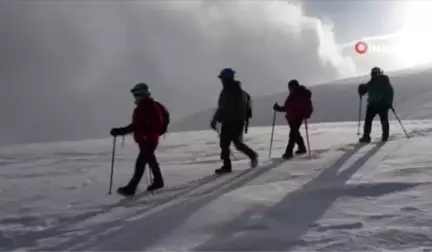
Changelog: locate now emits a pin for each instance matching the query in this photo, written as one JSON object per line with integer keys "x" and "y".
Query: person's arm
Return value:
{"x": 283, "y": 108}
{"x": 363, "y": 89}
{"x": 389, "y": 94}
{"x": 217, "y": 115}
{"x": 249, "y": 106}
{"x": 148, "y": 119}
{"x": 153, "y": 121}
{"x": 278, "y": 108}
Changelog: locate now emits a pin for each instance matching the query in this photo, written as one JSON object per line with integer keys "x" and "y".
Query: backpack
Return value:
{"x": 165, "y": 118}
{"x": 248, "y": 102}
{"x": 309, "y": 109}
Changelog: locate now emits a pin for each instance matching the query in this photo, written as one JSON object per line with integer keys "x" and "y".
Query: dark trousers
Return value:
{"x": 233, "y": 132}
{"x": 145, "y": 156}
{"x": 371, "y": 112}
{"x": 295, "y": 137}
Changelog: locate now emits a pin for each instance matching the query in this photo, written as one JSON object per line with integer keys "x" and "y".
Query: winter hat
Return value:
{"x": 227, "y": 73}
{"x": 140, "y": 89}
{"x": 293, "y": 83}
{"x": 377, "y": 71}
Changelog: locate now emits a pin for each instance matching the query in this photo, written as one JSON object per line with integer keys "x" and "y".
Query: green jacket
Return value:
{"x": 380, "y": 91}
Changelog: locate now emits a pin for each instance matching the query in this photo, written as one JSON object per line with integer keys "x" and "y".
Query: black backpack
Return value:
{"x": 165, "y": 118}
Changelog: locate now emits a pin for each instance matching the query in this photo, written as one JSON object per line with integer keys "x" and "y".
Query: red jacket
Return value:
{"x": 146, "y": 123}
{"x": 298, "y": 105}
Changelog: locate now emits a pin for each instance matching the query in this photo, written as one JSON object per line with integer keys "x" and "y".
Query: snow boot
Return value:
{"x": 157, "y": 184}
{"x": 126, "y": 191}
{"x": 365, "y": 139}
{"x": 226, "y": 168}
{"x": 287, "y": 155}
{"x": 254, "y": 161}
{"x": 301, "y": 151}
{"x": 223, "y": 170}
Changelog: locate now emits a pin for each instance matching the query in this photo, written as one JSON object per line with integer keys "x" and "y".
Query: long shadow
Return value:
{"x": 147, "y": 231}
{"x": 291, "y": 216}
{"x": 160, "y": 198}
{"x": 179, "y": 211}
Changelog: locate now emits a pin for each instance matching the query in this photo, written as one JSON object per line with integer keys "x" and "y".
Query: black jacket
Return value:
{"x": 234, "y": 104}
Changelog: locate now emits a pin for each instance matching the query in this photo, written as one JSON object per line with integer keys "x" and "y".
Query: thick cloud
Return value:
{"x": 66, "y": 67}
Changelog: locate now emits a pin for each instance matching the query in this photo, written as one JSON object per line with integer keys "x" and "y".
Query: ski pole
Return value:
{"x": 397, "y": 118}
{"x": 307, "y": 138}
{"x": 123, "y": 142}
{"x": 359, "y": 115}
{"x": 112, "y": 164}
{"x": 272, "y": 134}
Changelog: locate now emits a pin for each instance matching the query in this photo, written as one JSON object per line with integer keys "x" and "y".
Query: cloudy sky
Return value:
{"x": 66, "y": 67}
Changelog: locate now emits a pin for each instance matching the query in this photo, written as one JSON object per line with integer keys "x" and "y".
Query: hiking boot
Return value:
{"x": 126, "y": 191}
{"x": 287, "y": 155}
{"x": 301, "y": 151}
{"x": 223, "y": 170}
{"x": 226, "y": 167}
{"x": 254, "y": 161}
{"x": 157, "y": 184}
{"x": 365, "y": 139}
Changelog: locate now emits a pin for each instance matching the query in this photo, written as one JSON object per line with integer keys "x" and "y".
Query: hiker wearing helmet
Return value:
{"x": 380, "y": 100}
{"x": 146, "y": 126}
{"x": 233, "y": 112}
{"x": 297, "y": 108}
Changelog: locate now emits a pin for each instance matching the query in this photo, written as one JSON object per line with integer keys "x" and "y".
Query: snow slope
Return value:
{"x": 346, "y": 197}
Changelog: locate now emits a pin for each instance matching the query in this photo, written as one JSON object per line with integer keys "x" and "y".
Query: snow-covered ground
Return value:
{"x": 348, "y": 196}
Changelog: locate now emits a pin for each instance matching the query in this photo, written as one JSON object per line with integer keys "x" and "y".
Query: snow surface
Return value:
{"x": 348, "y": 196}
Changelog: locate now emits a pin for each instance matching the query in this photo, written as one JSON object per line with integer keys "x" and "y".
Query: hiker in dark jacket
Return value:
{"x": 146, "y": 126}
{"x": 297, "y": 108}
{"x": 380, "y": 100}
{"x": 233, "y": 112}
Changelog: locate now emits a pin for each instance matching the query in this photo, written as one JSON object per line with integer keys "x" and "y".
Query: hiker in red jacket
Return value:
{"x": 297, "y": 108}
{"x": 147, "y": 123}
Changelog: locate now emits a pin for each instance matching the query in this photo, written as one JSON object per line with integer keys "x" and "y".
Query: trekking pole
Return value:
{"x": 397, "y": 117}
{"x": 112, "y": 164}
{"x": 359, "y": 115}
{"x": 307, "y": 138}
{"x": 123, "y": 142}
{"x": 272, "y": 134}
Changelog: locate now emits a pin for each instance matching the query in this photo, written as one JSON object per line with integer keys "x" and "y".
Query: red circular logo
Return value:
{"x": 361, "y": 47}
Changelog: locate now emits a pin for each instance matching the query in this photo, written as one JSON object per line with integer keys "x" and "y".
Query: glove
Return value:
{"x": 276, "y": 107}
{"x": 213, "y": 124}
{"x": 362, "y": 89}
{"x": 116, "y": 132}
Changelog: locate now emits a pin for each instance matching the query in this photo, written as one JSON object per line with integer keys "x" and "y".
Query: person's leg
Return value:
{"x": 225, "y": 139}
{"x": 370, "y": 115}
{"x": 140, "y": 164}
{"x": 299, "y": 139}
{"x": 385, "y": 126}
{"x": 241, "y": 146}
{"x": 292, "y": 140}
{"x": 158, "y": 181}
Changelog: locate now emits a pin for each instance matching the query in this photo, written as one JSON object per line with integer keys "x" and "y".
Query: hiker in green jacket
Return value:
{"x": 380, "y": 100}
